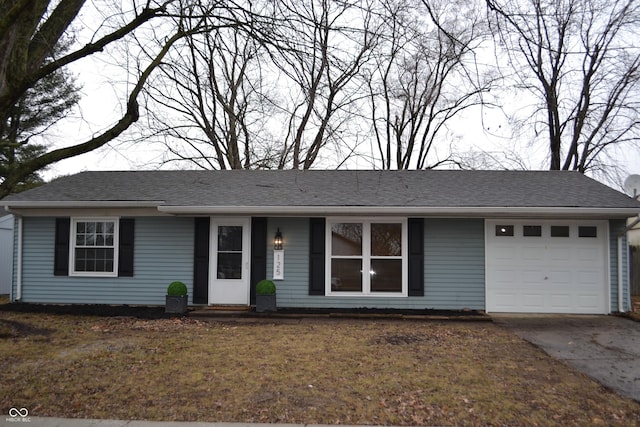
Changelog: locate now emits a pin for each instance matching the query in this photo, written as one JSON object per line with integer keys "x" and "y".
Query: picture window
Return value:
{"x": 367, "y": 257}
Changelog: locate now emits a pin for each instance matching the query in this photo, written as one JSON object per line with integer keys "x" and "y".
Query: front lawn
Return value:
{"x": 293, "y": 371}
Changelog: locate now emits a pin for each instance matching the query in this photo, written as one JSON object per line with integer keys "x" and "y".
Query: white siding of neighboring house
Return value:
{"x": 6, "y": 253}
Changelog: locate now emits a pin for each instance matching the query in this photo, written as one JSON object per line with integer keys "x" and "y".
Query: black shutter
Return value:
{"x": 416, "y": 257}
{"x": 125, "y": 247}
{"x": 316, "y": 256}
{"x": 61, "y": 254}
{"x": 201, "y": 262}
{"x": 258, "y": 253}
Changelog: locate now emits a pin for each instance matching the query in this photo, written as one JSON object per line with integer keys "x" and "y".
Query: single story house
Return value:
{"x": 499, "y": 241}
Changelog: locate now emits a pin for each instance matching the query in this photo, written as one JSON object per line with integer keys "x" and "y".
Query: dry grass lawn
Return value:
{"x": 307, "y": 371}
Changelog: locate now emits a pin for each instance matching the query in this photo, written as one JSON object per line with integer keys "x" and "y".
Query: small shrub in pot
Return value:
{"x": 177, "y": 298}
{"x": 265, "y": 296}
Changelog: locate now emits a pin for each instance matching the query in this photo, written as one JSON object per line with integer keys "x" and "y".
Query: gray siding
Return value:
{"x": 163, "y": 253}
{"x": 615, "y": 228}
{"x": 455, "y": 263}
{"x": 454, "y": 268}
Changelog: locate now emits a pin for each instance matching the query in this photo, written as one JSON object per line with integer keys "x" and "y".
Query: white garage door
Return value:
{"x": 547, "y": 266}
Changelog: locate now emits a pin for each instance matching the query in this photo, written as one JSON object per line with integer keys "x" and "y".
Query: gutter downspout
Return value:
{"x": 18, "y": 296}
{"x": 620, "y": 288}
{"x": 621, "y": 254}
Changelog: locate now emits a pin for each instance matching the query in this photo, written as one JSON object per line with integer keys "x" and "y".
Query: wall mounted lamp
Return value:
{"x": 277, "y": 241}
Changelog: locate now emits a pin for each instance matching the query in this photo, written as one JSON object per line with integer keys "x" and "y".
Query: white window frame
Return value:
{"x": 72, "y": 247}
{"x": 366, "y": 255}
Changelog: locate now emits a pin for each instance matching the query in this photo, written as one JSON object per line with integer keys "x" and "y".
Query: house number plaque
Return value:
{"x": 278, "y": 265}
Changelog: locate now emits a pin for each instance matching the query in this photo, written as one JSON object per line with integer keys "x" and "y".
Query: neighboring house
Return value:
{"x": 6, "y": 252}
{"x": 500, "y": 241}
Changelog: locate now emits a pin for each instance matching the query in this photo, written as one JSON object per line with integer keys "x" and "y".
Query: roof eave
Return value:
{"x": 462, "y": 211}
{"x": 48, "y": 204}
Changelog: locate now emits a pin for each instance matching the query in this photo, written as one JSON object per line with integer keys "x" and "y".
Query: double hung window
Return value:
{"x": 367, "y": 257}
{"x": 93, "y": 249}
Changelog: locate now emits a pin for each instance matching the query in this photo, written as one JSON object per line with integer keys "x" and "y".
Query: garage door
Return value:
{"x": 547, "y": 266}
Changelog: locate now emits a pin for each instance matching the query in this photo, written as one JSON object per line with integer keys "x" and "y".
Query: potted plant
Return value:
{"x": 265, "y": 296}
{"x": 177, "y": 298}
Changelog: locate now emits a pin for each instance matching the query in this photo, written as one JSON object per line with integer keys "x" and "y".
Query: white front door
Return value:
{"x": 229, "y": 271}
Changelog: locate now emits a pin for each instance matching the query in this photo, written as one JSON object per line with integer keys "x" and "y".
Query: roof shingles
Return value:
{"x": 429, "y": 188}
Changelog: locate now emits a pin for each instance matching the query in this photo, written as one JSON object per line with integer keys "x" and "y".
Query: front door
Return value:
{"x": 229, "y": 271}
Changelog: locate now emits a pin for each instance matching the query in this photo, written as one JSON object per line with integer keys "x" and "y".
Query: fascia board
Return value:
{"x": 66, "y": 208}
{"x": 471, "y": 211}
{"x": 49, "y": 204}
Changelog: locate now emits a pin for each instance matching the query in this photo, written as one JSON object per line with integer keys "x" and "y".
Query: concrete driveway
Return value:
{"x": 607, "y": 348}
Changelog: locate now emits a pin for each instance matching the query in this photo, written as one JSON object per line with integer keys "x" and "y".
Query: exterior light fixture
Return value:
{"x": 277, "y": 241}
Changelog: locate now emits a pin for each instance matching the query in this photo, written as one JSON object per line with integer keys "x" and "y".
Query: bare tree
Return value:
{"x": 425, "y": 75}
{"x": 29, "y": 31}
{"x": 325, "y": 45}
{"x": 206, "y": 104}
{"x": 241, "y": 99}
{"x": 579, "y": 60}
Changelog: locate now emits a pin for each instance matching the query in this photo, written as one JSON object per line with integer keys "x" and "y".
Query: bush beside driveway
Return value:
{"x": 383, "y": 372}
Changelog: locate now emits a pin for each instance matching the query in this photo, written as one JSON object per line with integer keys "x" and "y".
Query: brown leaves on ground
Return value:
{"x": 333, "y": 371}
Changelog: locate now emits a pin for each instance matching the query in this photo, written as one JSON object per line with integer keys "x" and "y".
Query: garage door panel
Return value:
{"x": 560, "y": 278}
{"x": 505, "y": 299}
{"x": 531, "y": 301}
{"x": 544, "y": 274}
{"x": 533, "y": 253}
{"x": 590, "y": 279}
{"x": 560, "y": 301}
{"x": 505, "y": 276}
{"x": 506, "y": 253}
{"x": 532, "y": 277}
{"x": 559, "y": 254}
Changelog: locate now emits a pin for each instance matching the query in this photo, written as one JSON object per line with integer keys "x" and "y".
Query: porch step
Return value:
{"x": 227, "y": 308}
{"x": 221, "y": 311}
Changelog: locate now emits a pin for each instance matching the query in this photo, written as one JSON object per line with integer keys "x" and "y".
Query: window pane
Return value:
{"x": 559, "y": 231}
{"x": 346, "y": 239}
{"x": 229, "y": 265}
{"x": 588, "y": 231}
{"x": 94, "y": 260}
{"x": 504, "y": 230}
{"x": 230, "y": 238}
{"x": 346, "y": 275}
{"x": 532, "y": 231}
{"x": 386, "y": 275}
{"x": 386, "y": 239}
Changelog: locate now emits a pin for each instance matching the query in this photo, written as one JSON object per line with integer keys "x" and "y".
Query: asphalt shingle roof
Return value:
{"x": 429, "y": 188}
